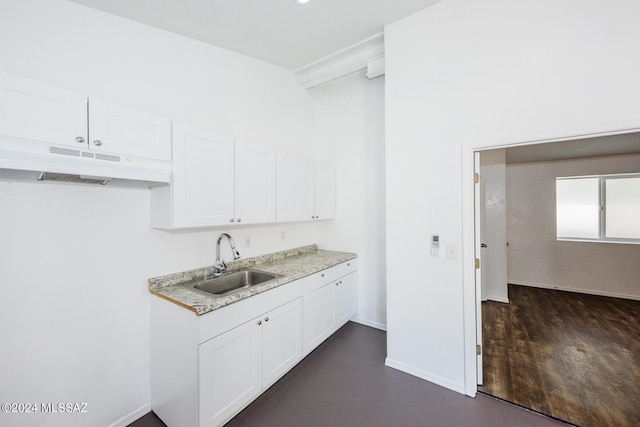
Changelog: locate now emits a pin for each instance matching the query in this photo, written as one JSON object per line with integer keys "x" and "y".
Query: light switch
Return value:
{"x": 452, "y": 251}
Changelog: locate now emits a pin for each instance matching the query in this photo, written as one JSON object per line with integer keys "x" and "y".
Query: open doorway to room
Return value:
{"x": 560, "y": 318}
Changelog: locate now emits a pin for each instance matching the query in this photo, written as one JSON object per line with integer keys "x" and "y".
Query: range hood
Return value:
{"x": 26, "y": 160}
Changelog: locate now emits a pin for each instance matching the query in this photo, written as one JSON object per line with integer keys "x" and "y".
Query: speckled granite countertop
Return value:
{"x": 292, "y": 264}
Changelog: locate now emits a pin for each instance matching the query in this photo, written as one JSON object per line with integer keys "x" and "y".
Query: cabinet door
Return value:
{"x": 325, "y": 191}
{"x": 38, "y": 112}
{"x": 121, "y": 130}
{"x": 203, "y": 188}
{"x": 255, "y": 184}
{"x": 281, "y": 341}
{"x": 294, "y": 182}
{"x": 229, "y": 373}
{"x": 319, "y": 317}
{"x": 346, "y": 298}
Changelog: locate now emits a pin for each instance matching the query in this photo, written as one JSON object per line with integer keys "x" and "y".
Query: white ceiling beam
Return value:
{"x": 375, "y": 67}
{"x": 367, "y": 55}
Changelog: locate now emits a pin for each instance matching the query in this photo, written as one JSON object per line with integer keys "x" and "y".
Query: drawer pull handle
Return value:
{"x": 266, "y": 319}
{"x": 259, "y": 322}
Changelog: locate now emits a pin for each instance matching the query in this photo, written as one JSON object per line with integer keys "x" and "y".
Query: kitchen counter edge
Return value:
{"x": 292, "y": 264}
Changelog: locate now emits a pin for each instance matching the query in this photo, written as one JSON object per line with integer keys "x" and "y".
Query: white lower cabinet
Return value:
{"x": 238, "y": 365}
{"x": 206, "y": 369}
{"x": 281, "y": 341}
{"x": 319, "y": 320}
{"x": 346, "y": 299}
{"x": 329, "y": 301}
{"x": 229, "y": 373}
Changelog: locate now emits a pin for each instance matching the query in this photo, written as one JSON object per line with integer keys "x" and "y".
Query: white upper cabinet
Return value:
{"x": 121, "y": 130}
{"x": 37, "y": 112}
{"x": 255, "y": 184}
{"x": 325, "y": 191}
{"x": 42, "y": 113}
{"x": 202, "y": 190}
{"x": 305, "y": 190}
{"x": 295, "y": 183}
{"x": 215, "y": 182}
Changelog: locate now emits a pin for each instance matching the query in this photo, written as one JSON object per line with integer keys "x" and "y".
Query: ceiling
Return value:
{"x": 281, "y": 32}
{"x": 579, "y": 148}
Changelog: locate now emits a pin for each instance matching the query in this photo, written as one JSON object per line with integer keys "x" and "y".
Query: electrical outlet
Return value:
{"x": 247, "y": 241}
{"x": 283, "y": 236}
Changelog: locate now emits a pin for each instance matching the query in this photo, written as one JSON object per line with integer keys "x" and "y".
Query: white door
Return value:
{"x": 294, "y": 183}
{"x": 325, "y": 191}
{"x": 346, "y": 298}
{"x": 255, "y": 183}
{"x": 281, "y": 341}
{"x": 493, "y": 226}
{"x": 319, "y": 316}
{"x": 229, "y": 373}
{"x": 39, "y": 112}
{"x": 478, "y": 227}
{"x": 203, "y": 184}
{"x": 121, "y": 130}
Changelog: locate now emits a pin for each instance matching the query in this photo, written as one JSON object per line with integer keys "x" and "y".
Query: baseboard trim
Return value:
{"x": 128, "y": 419}
{"x": 425, "y": 375}
{"x": 497, "y": 298}
{"x": 370, "y": 323}
{"x": 578, "y": 290}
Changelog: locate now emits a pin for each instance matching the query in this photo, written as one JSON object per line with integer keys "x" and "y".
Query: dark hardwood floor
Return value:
{"x": 344, "y": 383}
{"x": 572, "y": 356}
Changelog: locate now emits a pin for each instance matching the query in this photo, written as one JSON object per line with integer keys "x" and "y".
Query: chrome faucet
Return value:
{"x": 219, "y": 265}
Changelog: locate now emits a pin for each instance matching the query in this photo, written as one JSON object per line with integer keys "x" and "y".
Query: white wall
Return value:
{"x": 536, "y": 258}
{"x": 349, "y": 131}
{"x": 74, "y": 260}
{"x": 495, "y": 72}
{"x": 92, "y": 52}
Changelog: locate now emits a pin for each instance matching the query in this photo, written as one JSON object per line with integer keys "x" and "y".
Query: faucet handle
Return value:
{"x": 219, "y": 267}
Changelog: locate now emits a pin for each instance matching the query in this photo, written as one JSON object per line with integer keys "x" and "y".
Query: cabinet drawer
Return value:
{"x": 221, "y": 320}
{"x": 321, "y": 278}
{"x": 347, "y": 267}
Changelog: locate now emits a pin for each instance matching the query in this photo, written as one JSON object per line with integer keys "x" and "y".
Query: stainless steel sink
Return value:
{"x": 234, "y": 281}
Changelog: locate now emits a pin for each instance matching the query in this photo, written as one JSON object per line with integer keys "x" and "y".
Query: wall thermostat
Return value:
{"x": 435, "y": 245}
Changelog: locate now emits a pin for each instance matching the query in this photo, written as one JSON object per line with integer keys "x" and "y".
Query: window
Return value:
{"x": 598, "y": 208}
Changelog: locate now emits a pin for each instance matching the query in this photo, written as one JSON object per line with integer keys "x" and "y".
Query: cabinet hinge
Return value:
{"x": 476, "y": 263}
{"x": 476, "y": 178}
{"x": 478, "y": 350}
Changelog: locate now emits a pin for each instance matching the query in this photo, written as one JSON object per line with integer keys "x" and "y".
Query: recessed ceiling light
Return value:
{"x": 302, "y": 1}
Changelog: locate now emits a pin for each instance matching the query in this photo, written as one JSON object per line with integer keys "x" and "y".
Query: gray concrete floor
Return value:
{"x": 344, "y": 382}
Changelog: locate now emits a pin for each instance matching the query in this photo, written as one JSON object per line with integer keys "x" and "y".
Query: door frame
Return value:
{"x": 471, "y": 296}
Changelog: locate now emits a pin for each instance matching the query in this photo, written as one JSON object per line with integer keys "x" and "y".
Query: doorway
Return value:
{"x": 523, "y": 316}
